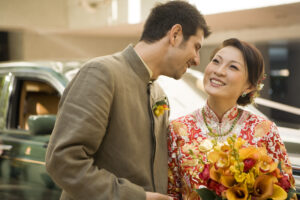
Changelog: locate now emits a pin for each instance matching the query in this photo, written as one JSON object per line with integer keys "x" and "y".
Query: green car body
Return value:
{"x": 22, "y": 161}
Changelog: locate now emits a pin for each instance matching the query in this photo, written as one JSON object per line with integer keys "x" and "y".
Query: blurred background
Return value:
{"x": 82, "y": 29}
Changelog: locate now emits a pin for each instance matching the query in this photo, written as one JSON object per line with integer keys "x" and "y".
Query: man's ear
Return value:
{"x": 176, "y": 34}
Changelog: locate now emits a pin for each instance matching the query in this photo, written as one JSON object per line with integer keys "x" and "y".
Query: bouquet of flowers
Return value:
{"x": 236, "y": 170}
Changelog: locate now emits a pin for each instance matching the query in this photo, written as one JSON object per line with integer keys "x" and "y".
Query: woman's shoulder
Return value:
{"x": 184, "y": 123}
{"x": 261, "y": 125}
{"x": 250, "y": 116}
{"x": 186, "y": 119}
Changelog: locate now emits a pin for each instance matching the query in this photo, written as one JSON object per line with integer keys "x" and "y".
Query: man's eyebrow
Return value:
{"x": 217, "y": 55}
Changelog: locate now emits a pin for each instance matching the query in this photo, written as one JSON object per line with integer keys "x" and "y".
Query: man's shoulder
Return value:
{"x": 157, "y": 88}
{"x": 109, "y": 61}
{"x": 114, "y": 64}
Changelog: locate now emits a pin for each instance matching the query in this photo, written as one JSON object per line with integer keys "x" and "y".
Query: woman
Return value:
{"x": 232, "y": 78}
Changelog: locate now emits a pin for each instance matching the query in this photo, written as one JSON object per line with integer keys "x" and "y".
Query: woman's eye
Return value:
{"x": 234, "y": 67}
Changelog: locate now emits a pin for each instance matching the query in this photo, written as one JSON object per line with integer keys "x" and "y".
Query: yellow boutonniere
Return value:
{"x": 160, "y": 107}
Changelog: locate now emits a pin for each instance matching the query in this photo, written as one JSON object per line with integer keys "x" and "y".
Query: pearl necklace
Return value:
{"x": 210, "y": 131}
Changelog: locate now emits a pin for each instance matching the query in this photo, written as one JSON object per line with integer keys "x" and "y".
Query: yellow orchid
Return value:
{"x": 230, "y": 141}
{"x": 239, "y": 143}
{"x": 234, "y": 169}
{"x": 249, "y": 152}
{"x": 205, "y": 145}
{"x": 266, "y": 164}
{"x": 239, "y": 165}
{"x": 240, "y": 177}
{"x": 225, "y": 148}
{"x": 220, "y": 159}
{"x": 250, "y": 178}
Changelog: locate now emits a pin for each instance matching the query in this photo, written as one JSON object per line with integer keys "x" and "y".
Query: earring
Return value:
{"x": 244, "y": 94}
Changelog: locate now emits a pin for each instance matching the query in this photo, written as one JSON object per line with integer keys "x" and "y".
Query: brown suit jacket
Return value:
{"x": 103, "y": 146}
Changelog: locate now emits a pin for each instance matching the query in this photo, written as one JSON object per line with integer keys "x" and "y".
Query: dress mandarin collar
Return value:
{"x": 229, "y": 116}
{"x": 136, "y": 63}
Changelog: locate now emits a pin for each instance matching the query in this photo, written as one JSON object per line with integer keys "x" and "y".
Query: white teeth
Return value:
{"x": 217, "y": 82}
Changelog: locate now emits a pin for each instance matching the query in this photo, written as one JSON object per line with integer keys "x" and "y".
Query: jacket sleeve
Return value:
{"x": 79, "y": 130}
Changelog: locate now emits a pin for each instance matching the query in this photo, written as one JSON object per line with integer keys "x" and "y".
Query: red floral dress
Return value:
{"x": 187, "y": 132}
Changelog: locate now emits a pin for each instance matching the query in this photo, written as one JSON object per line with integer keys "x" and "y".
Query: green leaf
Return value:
{"x": 160, "y": 103}
{"x": 290, "y": 193}
{"x": 279, "y": 166}
{"x": 207, "y": 194}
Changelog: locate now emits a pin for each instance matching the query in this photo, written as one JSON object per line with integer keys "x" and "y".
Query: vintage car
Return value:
{"x": 30, "y": 93}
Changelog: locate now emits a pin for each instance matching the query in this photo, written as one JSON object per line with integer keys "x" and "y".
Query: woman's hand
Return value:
{"x": 157, "y": 196}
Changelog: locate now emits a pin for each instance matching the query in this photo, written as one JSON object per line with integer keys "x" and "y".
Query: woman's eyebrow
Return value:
{"x": 233, "y": 61}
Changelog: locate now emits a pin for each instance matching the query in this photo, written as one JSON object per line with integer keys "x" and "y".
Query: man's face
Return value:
{"x": 183, "y": 55}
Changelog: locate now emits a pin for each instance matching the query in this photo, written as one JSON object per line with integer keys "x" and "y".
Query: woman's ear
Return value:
{"x": 175, "y": 34}
{"x": 249, "y": 89}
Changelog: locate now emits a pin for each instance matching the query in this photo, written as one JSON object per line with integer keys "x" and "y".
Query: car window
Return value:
{"x": 1, "y": 99}
{"x": 1, "y": 82}
{"x": 31, "y": 97}
{"x": 4, "y": 81}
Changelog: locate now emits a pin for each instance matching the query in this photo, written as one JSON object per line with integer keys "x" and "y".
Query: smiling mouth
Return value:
{"x": 216, "y": 82}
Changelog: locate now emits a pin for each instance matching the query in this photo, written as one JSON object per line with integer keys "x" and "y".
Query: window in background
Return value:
{"x": 284, "y": 59}
{"x": 4, "y": 46}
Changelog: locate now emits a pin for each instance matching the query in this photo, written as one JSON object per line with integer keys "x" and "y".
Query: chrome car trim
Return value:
{"x": 23, "y": 160}
{"x": 42, "y": 75}
{"x": 4, "y": 99}
{"x": 20, "y": 140}
{"x": 5, "y": 147}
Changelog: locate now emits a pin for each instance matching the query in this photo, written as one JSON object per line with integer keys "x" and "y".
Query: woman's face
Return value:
{"x": 226, "y": 76}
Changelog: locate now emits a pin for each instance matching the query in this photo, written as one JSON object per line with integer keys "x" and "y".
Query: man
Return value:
{"x": 107, "y": 142}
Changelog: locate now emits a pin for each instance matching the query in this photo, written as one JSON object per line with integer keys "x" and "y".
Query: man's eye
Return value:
{"x": 215, "y": 60}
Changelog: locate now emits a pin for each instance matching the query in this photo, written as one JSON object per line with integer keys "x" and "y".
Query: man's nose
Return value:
{"x": 196, "y": 61}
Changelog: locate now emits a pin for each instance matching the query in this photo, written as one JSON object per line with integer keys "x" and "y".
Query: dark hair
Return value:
{"x": 164, "y": 16}
{"x": 254, "y": 64}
